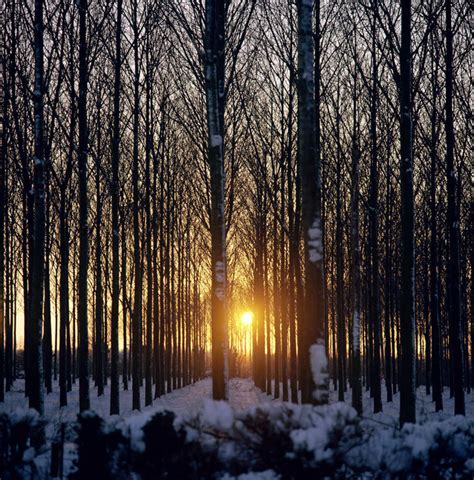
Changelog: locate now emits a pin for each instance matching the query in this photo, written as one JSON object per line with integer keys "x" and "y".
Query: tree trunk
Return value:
{"x": 148, "y": 229}
{"x": 314, "y": 384}
{"x": 3, "y": 213}
{"x": 47, "y": 341}
{"x": 114, "y": 374}
{"x": 454, "y": 275}
{"x": 63, "y": 297}
{"x": 276, "y": 295}
{"x": 407, "y": 295}
{"x": 84, "y": 402}
{"x": 355, "y": 270}
{"x": 341, "y": 340}
{"x": 99, "y": 302}
{"x": 259, "y": 311}
{"x": 373, "y": 257}
{"x": 125, "y": 363}
{"x": 137, "y": 307}
{"x": 283, "y": 288}
{"x": 215, "y": 100}
{"x": 388, "y": 287}
{"x": 35, "y": 390}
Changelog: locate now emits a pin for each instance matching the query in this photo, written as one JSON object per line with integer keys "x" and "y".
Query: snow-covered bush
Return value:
{"x": 292, "y": 440}
{"x": 297, "y": 442}
{"x": 103, "y": 449}
{"x": 436, "y": 449}
{"x": 169, "y": 454}
{"x": 21, "y": 435}
{"x": 271, "y": 441}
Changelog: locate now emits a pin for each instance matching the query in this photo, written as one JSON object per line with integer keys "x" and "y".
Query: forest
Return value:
{"x": 265, "y": 202}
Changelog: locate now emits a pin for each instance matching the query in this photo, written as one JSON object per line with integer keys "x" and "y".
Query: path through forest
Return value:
{"x": 189, "y": 400}
{"x": 183, "y": 401}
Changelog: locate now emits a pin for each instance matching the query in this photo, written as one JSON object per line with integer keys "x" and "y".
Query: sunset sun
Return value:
{"x": 247, "y": 318}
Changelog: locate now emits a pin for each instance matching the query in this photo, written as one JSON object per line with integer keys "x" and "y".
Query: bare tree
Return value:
{"x": 407, "y": 300}
{"x": 84, "y": 401}
{"x": 454, "y": 309}
{"x": 309, "y": 165}
{"x": 215, "y": 99}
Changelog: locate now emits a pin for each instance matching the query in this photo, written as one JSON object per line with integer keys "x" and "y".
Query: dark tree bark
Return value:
{"x": 283, "y": 286}
{"x": 268, "y": 369}
{"x": 276, "y": 291}
{"x": 47, "y": 340}
{"x": 84, "y": 402}
{"x": 355, "y": 250}
{"x": 114, "y": 374}
{"x": 148, "y": 229}
{"x": 63, "y": 297}
{"x": 407, "y": 295}
{"x": 215, "y": 99}
{"x": 9, "y": 284}
{"x": 3, "y": 212}
{"x": 373, "y": 224}
{"x": 259, "y": 310}
{"x": 314, "y": 384}
{"x": 434, "y": 294}
{"x": 125, "y": 363}
{"x": 137, "y": 307}
{"x": 341, "y": 340}
{"x": 293, "y": 245}
{"x": 64, "y": 245}
{"x": 35, "y": 390}
{"x": 388, "y": 287}
{"x": 453, "y": 268}
{"x": 158, "y": 259}
{"x": 426, "y": 316}
{"x": 99, "y": 294}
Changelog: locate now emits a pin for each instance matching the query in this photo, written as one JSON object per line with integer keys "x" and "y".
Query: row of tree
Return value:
{"x": 321, "y": 152}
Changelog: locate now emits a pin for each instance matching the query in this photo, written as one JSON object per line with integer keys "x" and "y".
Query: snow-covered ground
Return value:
{"x": 183, "y": 401}
{"x": 425, "y": 408}
{"x": 311, "y": 431}
{"x": 242, "y": 392}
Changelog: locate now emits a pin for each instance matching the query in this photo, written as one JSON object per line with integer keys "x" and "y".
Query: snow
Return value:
{"x": 324, "y": 436}
{"x": 408, "y": 449}
{"x": 189, "y": 399}
{"x": 315, "y": 241}
{"x": 242, "y": 395}
{"x": 319, "y": 369}
{"x": 317, "y": 438}
{"x": 217, "y": 414}
{"x": 356, "y": 331}
{"x": 219, "y": 272}
{"x": 216, "y": 140}
{"x": 265, "y": 475}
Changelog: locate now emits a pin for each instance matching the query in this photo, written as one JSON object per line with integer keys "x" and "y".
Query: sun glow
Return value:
{"x": 247, "y": 318}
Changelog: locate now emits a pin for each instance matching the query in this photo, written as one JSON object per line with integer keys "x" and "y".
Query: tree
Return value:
{"x": 84, "y": 401}
{"x": 407, "y": 214}
{"x": 3, "y": 172}
{"x": 454, "y": 308}
{"x": 99, "y": 294}
{"x": 36, "y": 400}
{"x": 434, "y": 281}
{"x": 340, "y": 311}
{"x": 114, "y": 380}
{"x": 149, "y": 260}
{"x": 215, "y": 100}
{"x": 355, "y": 247}
{"x": 137, "y": 306}
{"x": 312, "y": 389}
{"x": 373, "y": 221}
